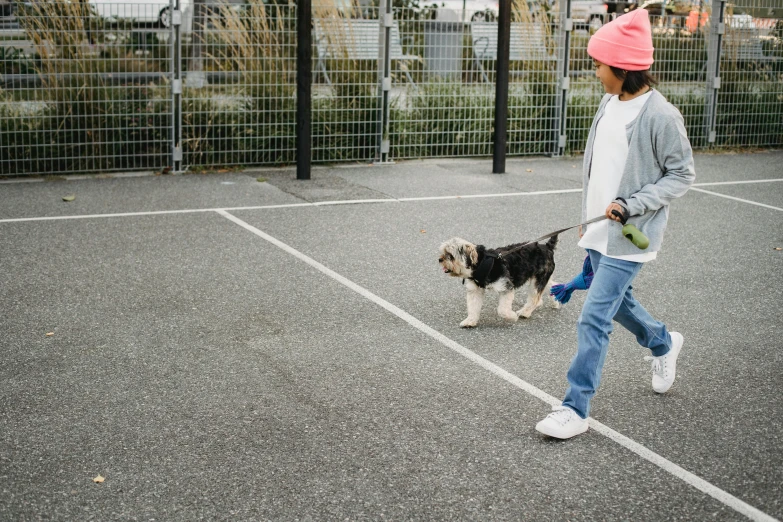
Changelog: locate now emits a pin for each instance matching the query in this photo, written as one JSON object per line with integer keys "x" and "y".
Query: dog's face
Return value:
{"x": 458, "y": 257}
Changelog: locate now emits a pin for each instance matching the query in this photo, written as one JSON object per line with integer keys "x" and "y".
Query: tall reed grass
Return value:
{"x": 85, "y": 123}
{"x": 257, "y": 45}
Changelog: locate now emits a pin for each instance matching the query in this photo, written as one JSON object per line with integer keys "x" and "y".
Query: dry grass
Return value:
{"x": 60, "y": 33}
{"x": 250, "y": 41}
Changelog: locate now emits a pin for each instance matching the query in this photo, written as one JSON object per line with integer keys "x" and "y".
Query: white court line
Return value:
{"x": 736, "y": 199}
{"x": 365, "y": 201}
{"x": 22, "y": 180}
{"x": 497, "y": 195}
{"x": 151, "y": 213}
{"x": 716, "y": 183}
{"x": 647, "y": 454}
{"x": 289, "y": 205}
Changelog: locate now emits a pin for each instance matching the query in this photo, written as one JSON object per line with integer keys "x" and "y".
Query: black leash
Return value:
{"x": 556, "y": 232}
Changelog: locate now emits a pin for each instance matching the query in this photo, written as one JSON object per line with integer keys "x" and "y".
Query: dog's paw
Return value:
{"x": 468, "y": 323}
{"x": 526, "y": 312}
{"x": 556, "y": 304}
{"x": 511, "y": 317}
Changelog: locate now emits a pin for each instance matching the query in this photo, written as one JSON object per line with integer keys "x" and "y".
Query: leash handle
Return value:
{"x": 622, "y": 215}
{"x": 633, "y": 234}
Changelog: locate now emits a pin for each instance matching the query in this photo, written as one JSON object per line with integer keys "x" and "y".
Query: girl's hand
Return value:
{"x": 618, "y": 208}
{"x": 580, "y": 232}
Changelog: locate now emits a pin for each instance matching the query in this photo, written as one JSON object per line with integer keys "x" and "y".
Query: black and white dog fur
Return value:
{"x": 533, "y": 264}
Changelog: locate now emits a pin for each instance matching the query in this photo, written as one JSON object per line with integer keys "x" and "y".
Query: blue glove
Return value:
{"x": 562, "y": 293}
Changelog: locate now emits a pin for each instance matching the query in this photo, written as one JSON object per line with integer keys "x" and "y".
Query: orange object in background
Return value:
{"x": 694, "y": 21}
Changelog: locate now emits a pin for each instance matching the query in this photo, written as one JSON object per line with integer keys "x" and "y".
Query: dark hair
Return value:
{"x": 634, "y": 81}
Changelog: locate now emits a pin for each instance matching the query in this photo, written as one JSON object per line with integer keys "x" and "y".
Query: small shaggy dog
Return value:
{"x": 498, "y": 269}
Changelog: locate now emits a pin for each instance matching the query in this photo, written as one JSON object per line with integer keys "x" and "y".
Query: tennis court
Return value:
{"x": 218, "y": 347}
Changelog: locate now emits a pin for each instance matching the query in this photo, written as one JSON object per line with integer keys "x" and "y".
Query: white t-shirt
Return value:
{"x": 610, "y": 151}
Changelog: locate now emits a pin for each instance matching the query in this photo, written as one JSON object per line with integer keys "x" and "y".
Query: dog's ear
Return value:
{"x": 471, "y": 253}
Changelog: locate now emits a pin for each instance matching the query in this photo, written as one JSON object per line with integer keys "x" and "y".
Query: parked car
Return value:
{"x": 462, "y": 10}
{"x": 143, "y": 11}
{"x": 673, "y": 7}
{"x": 585, "y": 14}
{"x": 737, "y": 18}
{"x": 618, "y": 6}
{"x": 589, "y": 13}
{"x": 584, "y": 10}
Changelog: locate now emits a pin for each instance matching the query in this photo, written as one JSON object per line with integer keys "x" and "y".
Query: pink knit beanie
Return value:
{"x": 625, "y": 42}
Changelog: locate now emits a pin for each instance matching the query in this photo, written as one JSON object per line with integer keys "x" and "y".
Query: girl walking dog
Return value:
{"x": 637, "y": 160}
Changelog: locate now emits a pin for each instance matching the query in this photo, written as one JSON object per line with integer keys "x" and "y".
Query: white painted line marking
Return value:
{"x": 150, "y": 213}
{"x": 366, "y": 201}
{"x": 736, "y": 199}
{"x": 15, "y": 181}
{"x": 647, "y": 454}
{"x": 88, "y": 216}
{"x": 352, "y": 202}
{"x": 497, "y": 195}
{"x": 716, "y": 183}
{"x": 286, "y": 205}
{"x": 682, "y": 474}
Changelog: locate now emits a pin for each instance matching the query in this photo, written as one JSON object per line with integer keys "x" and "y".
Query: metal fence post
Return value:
{"x": 563, "y": 67}
{"x": 385, "y": 21}
{"x": 717, "y": 30}
{"x": 176, "y": 86}
{"x": 501, "y": 87}
{"x": 304, "y": 82}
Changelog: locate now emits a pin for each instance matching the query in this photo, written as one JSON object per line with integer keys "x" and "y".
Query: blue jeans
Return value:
{"x": 610, "y": 297}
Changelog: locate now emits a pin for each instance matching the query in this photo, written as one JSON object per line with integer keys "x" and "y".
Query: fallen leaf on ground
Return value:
{"x": 98, "y": 479}
{"x": 261, "y": 180}
{"x": 423, "y": 231}
{"x": 530, "y": 170}
{"x": 49, "y": 334}
{"x": 69, "y": 197}
{"x": 778, "y": 248}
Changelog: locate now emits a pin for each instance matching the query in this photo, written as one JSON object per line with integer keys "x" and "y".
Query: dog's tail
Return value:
{"x": 552, "y": 243}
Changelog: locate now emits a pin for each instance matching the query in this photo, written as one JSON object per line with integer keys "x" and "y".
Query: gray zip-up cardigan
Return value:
{"x": 659, "y": 169}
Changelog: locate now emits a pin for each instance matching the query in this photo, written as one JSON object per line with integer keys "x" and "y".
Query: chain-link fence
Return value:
{"x": 99, "y": 86}
{"x": 81, "y": 94}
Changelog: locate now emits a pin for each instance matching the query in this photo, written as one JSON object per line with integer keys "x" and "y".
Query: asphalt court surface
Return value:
{"x": 304, "y": 360}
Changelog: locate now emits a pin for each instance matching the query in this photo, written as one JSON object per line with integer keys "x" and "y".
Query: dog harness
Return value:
{"x": 481, "y": 274}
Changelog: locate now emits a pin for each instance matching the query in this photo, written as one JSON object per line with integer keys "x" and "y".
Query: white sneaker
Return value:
{"x": 562, "y": 423}
{"x": 664, "y": 368}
